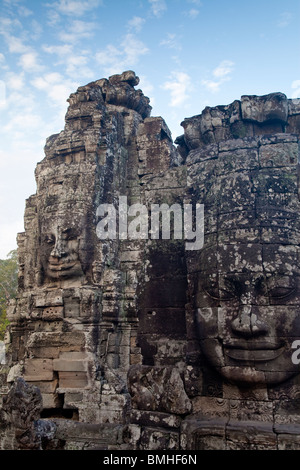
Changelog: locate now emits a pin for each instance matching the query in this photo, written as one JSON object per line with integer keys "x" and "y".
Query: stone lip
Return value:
{"x": 254, "y": 350}
{"x": 256, "y": 355}
{"x": 253, "y": 344}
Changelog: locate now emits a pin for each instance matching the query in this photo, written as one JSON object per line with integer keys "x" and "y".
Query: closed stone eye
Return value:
{"x": 69, "y": 234}
{"x": 281, "y": 292}
{"x": 280, "y": 287}
{"x": 49, "y": 239}
{"x": 227, "y": 292}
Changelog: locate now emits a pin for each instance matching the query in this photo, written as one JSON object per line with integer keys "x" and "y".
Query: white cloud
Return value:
{"x": 136, "y": 23}
{"x": 18, "y": 100}
{"x": 76, "y": 65}
{"x": 56, "y": 87}
{"x": 24, "y": 11}
{"x": 223, "y": 69}
{"x": 284, "y": 19}
{"x": 15, "y": 81}
{"x": 212, "y": 86}
{"x": 76, "y": 31}
{"x": 29, "y": 62}
{"x": 147, "y": 88}
{"x": 16, "y": 45}
{"x": 117, "y": 59}
{"x": 221, "y": 74}
{"x": 12, "y": 2}
{"x": 109, "y": 56}
{"x": 53, "y": 17}
{"x": 296, "y": 88}
{"x": 25, "y": 121}
{"x": 158, "y": 7}
{"x": 193, "y": 13}
{"x": 171, "y": 42}
{"x": 75, "y": 7}
{"x": 133, "y": 48}
{"x": 60, "y": 92}
{"x": 178, "y": 86}
{"x": 7, "y": 25}
{"x": 62, "y": 51}
{"x": 35, "y": 30}
{"x": 43, "y": 82}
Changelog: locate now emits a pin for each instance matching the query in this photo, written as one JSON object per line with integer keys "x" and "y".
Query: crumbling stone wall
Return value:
{"x": 141, "y": 343}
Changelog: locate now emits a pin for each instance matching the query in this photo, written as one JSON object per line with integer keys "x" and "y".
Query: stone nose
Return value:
{"x": 59, "y": 249}
{"x": 248, "y": 323}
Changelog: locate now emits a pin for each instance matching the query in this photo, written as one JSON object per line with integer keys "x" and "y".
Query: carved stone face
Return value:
{"x": 247, "y": 311}
{"x": 63, "y": 248}
{"x": 62, "y": 257}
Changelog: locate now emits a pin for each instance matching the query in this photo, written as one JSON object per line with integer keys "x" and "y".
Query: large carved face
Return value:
{"x": 64, "y": 247}
{"x": 247, "y": 310}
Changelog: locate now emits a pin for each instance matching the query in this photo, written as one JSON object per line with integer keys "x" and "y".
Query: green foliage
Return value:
{"x": 8, "y": 286}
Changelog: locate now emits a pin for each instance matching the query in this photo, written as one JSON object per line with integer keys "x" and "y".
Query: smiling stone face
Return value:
{"x": 64, "y": 247}
{"x": 246, "y": 279}
{"x": 62, "y": 253}
{"x": 247, "y": 315}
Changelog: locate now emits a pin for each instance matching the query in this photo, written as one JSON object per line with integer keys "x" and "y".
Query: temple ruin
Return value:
{"x": 141, "y": 341}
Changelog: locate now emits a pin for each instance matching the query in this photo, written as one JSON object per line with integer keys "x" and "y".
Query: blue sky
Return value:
{"x": 188, "y": 54}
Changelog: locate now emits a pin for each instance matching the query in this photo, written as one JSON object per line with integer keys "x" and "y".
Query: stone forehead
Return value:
{"x": 250, "y": 257}
{"x": 249, "y": 153}
{"x": 70, "y": 210}
{"x": 249, "y": 183}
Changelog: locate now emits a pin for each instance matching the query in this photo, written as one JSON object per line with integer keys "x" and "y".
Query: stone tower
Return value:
{"x": 122, "y": 338}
